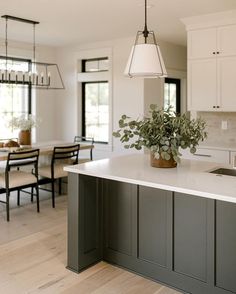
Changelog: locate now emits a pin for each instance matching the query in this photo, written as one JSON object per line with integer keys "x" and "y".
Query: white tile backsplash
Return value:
{"x": 217, "y": 136}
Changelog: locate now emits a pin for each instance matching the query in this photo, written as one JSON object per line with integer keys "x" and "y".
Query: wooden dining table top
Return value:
{"x": 46, "y": 148}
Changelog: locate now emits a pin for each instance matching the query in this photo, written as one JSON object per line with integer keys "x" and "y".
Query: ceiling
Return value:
{"x": 67, "y": 22}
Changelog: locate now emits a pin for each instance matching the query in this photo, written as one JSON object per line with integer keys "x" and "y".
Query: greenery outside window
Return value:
{"x": 15, "y": 100}
{"x": 172, "y": 94}
{"x": 95, "y": 110}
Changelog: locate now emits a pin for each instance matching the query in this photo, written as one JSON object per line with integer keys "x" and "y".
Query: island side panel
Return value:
{"x": 84, "y": 222}
{"x": 153, "y": 225}
{"x": 226, "y": 245}
{"x": 120, "y": 218}
{"x": 190, "y": 236}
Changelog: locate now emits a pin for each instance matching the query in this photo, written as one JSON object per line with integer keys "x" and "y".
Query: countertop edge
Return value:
{"x": 155, "y": 185}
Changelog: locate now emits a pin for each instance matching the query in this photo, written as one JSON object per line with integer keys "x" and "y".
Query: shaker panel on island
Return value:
{"x": 180, "y": 239}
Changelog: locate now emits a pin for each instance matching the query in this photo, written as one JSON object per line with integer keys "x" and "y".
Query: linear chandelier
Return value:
{"x": 40, "y": 75}
{"x": 145, "y": 59}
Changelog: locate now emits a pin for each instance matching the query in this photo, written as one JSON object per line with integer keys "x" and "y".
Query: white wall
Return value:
{"x": 127, "y": 94}
{"x": 175, "y": 58}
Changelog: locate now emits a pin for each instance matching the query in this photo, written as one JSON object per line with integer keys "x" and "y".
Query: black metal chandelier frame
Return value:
{"x": 31, "y": 76}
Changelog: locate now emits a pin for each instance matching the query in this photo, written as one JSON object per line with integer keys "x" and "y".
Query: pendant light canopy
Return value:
{"x": 145, "y": 59}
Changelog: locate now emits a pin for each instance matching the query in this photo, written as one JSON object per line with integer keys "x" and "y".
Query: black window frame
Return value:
{"x": 83, "y": 64}
{"x": 84, "y": 106}
{"x": 177, "y": 82}
{"x": 29, "y": 61}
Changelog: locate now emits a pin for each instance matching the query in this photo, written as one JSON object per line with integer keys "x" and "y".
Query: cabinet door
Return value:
{"x": 202, "y": 87}
{"x": 226, "y": 39}
{"x": 233, "y": 158}
{"x": 202, "y": 43}
{"x": 227, "y": 83}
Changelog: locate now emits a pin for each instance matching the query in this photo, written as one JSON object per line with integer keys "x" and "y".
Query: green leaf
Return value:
{"x": 193, "y": 150}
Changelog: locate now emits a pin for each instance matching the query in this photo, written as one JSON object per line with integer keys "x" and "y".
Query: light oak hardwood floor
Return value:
{"x": 33, "y": 258}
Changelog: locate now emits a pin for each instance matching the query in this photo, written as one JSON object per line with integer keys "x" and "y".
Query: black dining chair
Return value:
{"x": 16, "y": 177}
{"x": 88, "y": 141}
{"x": 62, "y": 156}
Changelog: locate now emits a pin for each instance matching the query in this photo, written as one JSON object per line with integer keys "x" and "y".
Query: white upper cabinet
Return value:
{"x": 202, "y": 43}
{"x": 212, "y": 69}
{"x": 226, "y": 40}
{"x": 209, "y": 43}
{"x": 212, "y": 61}
{"x": 227, "y": 83}
{"x": 202, "y": 85}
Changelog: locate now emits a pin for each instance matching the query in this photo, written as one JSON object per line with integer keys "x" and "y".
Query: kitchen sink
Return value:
{"x": 224, "y": 171}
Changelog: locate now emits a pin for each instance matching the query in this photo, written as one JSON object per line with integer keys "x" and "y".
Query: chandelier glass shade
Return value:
{"x": 145, "y": 59}
{"x": 40, "y": 75}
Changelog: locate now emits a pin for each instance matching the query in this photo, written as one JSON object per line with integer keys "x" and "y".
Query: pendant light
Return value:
{"x": 145, "y": 59}
{"x": 40, "y": 75}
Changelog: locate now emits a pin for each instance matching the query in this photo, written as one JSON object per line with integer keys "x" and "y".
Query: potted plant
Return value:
{"x": 24, "y": 124}
{"x": 163, "y": 133}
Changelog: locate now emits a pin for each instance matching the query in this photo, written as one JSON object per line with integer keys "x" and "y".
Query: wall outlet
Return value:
{"x": 224, "y": 125}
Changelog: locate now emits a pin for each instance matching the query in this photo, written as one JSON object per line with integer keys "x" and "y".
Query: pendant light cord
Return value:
{"x": 145, "y": 31}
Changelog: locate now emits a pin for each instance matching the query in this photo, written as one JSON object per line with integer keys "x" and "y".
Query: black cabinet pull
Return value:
{"x": 217, "y": 106}
{"x": 202, "y": 155}
{"x": 214, "y": 53}
{"x": 214, "y": 106}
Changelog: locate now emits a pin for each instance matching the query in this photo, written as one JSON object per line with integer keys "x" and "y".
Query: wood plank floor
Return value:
{"x": 33, "y": 258}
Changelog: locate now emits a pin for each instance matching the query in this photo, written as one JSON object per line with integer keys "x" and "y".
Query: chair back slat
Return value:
{"x": 83, "y": 139}
{"x": 20, "y": 158}
{"x": 66, "y": 152}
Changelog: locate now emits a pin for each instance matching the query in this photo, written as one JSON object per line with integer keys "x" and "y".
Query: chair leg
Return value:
{"x": 18, "y": 197}
{"x": 60, "y": 185}
{"x": 53, "y": 194}
{"x": 37, "y": 197}
{"x": 32, "y": 194}
{"x": 8, "y": 205}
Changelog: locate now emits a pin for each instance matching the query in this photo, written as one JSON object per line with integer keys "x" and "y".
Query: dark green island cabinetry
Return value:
{"x": 185, "y": 241}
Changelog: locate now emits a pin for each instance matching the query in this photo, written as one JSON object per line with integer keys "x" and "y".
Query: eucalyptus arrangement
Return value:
{"x": 163, "y": 133}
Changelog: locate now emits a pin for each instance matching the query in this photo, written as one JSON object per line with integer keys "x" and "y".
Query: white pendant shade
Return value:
{"x": 145, "y": 60}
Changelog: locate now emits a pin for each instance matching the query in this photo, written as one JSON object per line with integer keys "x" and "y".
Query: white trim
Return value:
{"x": 93, "y": 76}
{"x": 210, "y": 20}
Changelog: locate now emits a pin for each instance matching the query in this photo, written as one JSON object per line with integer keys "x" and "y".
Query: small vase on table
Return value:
{"x": 24, "y": 137}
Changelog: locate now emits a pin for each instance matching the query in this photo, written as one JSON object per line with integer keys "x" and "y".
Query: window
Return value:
{"x": 95, "y": 110}
{"x": 95, "y": 99}
{"x": 15, "y": 99}
{"x": 95, "y": 65}
{"x": 172, "y": 94}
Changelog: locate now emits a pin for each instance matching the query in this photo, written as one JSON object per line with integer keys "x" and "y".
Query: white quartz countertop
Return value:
{"x": 190, "y": 176}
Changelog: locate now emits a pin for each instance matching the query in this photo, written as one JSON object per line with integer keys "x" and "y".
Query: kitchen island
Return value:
{"x": 176, "y": 226}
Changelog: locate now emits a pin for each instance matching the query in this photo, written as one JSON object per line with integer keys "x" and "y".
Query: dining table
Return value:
{"x": 46, "y": 148}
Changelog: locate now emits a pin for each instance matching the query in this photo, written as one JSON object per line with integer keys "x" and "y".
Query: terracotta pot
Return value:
{"x": 24, "y": 137}
{"x": 162, "y": 163}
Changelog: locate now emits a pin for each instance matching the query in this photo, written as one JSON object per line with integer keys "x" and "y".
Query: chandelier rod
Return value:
{"x": 20, "y": 19}
{"x": 6, "y": 44}
{"x": 34, "y": 45}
